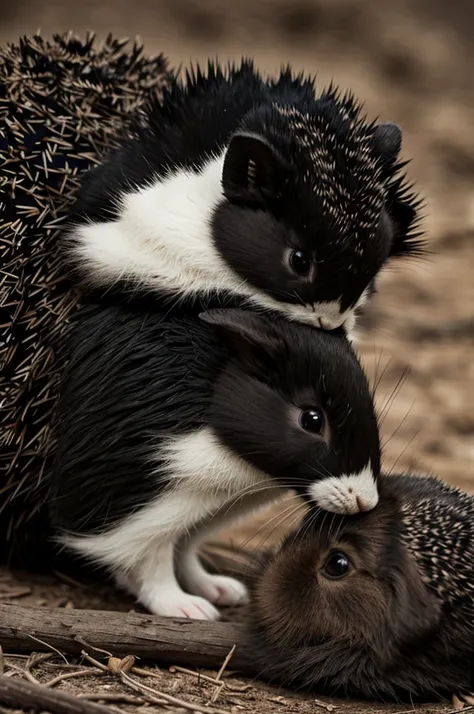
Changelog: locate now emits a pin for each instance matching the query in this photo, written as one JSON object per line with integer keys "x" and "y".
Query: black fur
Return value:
{"x": 350, "y": 215}
{"x": 401, "y": 625}
{"x": 134, "y": 378}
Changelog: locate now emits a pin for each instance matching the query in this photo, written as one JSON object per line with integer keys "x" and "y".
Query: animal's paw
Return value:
{"x": 180, "y": 604}
{"x": 221, "y": 590}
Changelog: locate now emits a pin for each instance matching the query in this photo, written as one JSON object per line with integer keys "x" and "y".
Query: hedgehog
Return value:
{"x": 270, "y": 191}
{"x": 378, "y": 605}
{"x": 63, "y": 104}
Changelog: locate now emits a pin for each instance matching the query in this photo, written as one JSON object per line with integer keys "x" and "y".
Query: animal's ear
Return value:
{"x": 387, "y": 141}
{"x": 252, "y": 168}
{"x": 251, "y": 337}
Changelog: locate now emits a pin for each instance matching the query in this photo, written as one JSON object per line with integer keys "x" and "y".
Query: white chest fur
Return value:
{"x": 162, "y": 237}
{"x": 209, "y": 486}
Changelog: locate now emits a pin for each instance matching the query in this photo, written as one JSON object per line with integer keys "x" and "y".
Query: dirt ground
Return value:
{"x": 88, "y": 678}
{"x": 410, "y": 62}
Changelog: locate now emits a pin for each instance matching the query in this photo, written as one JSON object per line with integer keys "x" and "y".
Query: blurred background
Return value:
{"x": 410, "y": 61}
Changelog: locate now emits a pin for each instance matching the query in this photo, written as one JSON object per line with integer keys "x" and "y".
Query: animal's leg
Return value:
{"x": 160, "y": 592}
{"x": 218, "y": 589}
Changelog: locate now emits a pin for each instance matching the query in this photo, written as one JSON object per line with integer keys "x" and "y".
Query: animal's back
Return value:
{"x": 439, "y": 522}
{"x": 130, "y": 377}
{"x": 194, "y": 121}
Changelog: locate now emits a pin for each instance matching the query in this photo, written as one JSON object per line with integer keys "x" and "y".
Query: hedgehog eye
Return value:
{"x": 336, "y": 566}
{"x": 300, "y": 262}
{"x": 313, "y": 420}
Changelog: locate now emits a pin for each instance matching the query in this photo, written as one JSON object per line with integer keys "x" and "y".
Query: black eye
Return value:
{"x": 300, "y": 262}
{"x": 337, "y": 565}
{"x": 312, "y": 420}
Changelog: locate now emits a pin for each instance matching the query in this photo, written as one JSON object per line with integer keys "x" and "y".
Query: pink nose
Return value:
{"x": 362, "y": 504}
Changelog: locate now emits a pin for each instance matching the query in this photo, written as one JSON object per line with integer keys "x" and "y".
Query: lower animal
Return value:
{"x": 168, "y": 427}
{"x": 379, "y": 605}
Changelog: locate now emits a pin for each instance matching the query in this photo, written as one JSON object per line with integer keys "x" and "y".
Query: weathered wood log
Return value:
{"x": 15, "y": 692}
{"x": 185, "y": 642}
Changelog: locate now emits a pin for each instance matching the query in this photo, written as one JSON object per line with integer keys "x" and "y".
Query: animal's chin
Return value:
{"x": 325, "y": 316}
{"x": 322, "y": 322}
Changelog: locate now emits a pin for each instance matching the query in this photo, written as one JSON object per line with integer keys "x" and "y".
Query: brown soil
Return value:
{"x": 409, "y": 62}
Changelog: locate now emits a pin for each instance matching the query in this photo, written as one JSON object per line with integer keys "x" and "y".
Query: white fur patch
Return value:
{"x": 208, "y": 482}
{"x": 162, "y": 237}
{"x": 162, "y": 240}
{"x": 346, "y": 494}
{"x": 201, "y": 461}
{"x": 210, "y": 485}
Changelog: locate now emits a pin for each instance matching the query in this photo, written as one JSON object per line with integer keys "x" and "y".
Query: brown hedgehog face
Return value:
{"x": 356, "y": 582}
{"x": 379, "y": 604}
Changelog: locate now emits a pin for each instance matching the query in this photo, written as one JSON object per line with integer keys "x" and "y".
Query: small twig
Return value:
{"x": 325, "y": 705}
{"x": 24, "y": 673}
{"x": 149, "y": 694}
{"x": 115, "y": 697}
{"x": 34, "y": 659}
{"x": 217, "y": 692}
{"x": 15, "y": 655}
{"x": 70, "y": 675}
{"x": 46, "y": 644}
{"x": 95, "y": 662}
{"x": 159, "y": 697}
{"x": 145, "y": 672}
{"x": 221, "y": 671}
{"x": 91, "y": 647}
{"x": 225, "y": 663}
{"x": 176, "y": 668}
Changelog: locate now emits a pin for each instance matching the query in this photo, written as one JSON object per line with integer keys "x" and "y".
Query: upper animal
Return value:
{"x": 253, "y": 188}
{"x": 165, "y": 429}
{"x": 380, "y": 604}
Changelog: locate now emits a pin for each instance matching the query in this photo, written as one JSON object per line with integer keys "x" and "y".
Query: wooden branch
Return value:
{"x": 16, "y": 692}
{"x": 186, "y": 642}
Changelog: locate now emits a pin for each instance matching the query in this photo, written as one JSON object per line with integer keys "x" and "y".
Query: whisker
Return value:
{"x": 400, "y": 425}
{"x": 404, "y": 450}
{"x": 267, "y": 523}
{"x": 383, "y": 411}
{"x": 295, "y": 512}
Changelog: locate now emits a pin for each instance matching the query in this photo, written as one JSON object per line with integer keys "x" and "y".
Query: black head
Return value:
{"x": 295, "y": 403}
{"x": 380, "y": 603}
{"x": 314, "y": 207}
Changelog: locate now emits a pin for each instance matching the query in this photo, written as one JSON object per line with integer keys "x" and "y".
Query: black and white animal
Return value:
{"x": 379, "y": 604}
{"x": 253, "y": 188}
{"x": 167, "y": 427}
